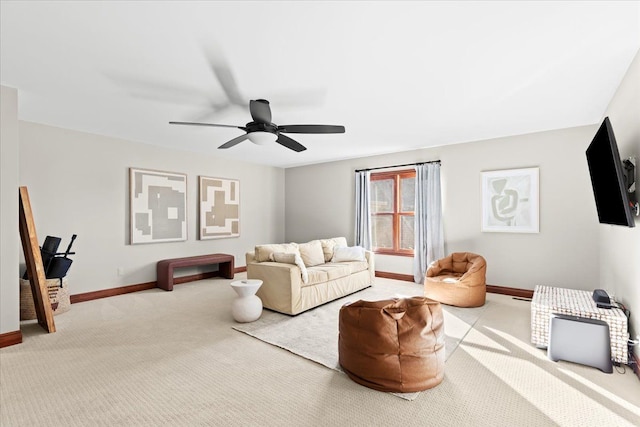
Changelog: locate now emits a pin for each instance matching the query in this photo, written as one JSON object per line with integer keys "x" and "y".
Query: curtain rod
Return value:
{"x": 397, "y": 166}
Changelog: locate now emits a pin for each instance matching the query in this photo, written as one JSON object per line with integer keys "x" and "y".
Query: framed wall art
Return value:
{"x": 510, "y": 201}
{"x": 219, "y": 204}
{"x": 158, "y": 206}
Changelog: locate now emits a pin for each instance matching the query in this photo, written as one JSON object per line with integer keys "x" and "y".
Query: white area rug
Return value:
{"x": 314, "y": 333}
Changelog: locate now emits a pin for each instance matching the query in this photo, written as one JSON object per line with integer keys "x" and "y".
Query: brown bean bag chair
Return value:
{"x": 393, "y": 345}
{"x": 459, "y": 279}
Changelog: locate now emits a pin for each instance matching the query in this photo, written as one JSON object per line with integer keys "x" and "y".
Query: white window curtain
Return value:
{"x": 363, "y": 214}
{"x": 429, "y": 235}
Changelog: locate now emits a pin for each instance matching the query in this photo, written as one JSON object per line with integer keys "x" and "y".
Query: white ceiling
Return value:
{"x": 398, "y": 75}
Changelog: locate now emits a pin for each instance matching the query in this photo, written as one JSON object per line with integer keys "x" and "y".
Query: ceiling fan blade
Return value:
{"x": 234, "y": 141}
{"x": 158, "y": 90}
{"x": 229, "y": 86}
{"x": 290, "y": 143}
{"x": 311, "y": 129}
{"x": 207, "y": 124}
{"x": 260, "y": 111}
{"x": 220, "y": 67}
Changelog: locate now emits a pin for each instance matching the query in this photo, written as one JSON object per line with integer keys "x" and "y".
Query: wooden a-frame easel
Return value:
{"x": 35, "y": 269}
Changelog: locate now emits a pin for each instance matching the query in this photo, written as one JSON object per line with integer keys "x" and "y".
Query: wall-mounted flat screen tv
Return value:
{"x": 607, "y": 178}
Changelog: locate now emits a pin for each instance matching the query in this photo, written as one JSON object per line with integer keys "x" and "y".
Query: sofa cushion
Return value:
{"x": 311, "y": 253}
{"x": 328, "y": 246}
{"x": 291, "y": 259}
{"x": 343, "y": 253}
{"x": 354, "y": 266}
{"x": 264, "y": 251}
{"x": 316, "y": 275}
{"x": 328, "y": 272}
{"x": 340, "y": 241}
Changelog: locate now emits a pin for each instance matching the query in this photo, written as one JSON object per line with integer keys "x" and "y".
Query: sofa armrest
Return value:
{"x": 249, "y": 257}
{"x": 281, "y": 284}
{"x": 371, "y": 260}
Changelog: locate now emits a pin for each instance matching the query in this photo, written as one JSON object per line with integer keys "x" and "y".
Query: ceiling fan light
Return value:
{"x": 261, "y": 138}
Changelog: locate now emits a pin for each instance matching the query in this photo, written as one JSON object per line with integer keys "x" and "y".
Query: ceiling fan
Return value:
{"x": 261, "y": 131}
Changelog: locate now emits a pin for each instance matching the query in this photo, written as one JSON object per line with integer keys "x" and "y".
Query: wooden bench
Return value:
{"x": 165, "y": 267}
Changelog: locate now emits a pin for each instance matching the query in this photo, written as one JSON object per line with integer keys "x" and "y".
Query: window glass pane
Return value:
{"x": 407, "y": 236}
{"x": 382, "y": 231}
{"x": 407, "y": 194}
{"x": 382, "y": 196}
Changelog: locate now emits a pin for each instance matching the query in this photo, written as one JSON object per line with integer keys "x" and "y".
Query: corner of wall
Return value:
{"x": 620, "y": 246}
{"x": 10, "y": 240}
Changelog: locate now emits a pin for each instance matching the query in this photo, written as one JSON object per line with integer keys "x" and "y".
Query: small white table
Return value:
{"x": 248, "y": 306}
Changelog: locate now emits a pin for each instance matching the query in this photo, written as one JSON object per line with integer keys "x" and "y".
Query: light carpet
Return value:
{"x": 157, "y": 358}
{"x": 314, "y": 333}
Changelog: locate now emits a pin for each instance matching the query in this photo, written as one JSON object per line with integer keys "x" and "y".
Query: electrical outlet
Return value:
{"x": 120, "y": 271}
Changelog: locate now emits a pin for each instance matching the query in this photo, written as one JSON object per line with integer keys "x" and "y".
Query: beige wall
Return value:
{"x": 564, "y": 253}
{"x": 9, "y": 236}
{"x": 620, "y": 246}
{"x": 572, "y": 249}
{"x": 78, "y": 183}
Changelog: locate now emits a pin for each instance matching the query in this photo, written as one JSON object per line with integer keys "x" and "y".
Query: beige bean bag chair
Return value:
{"x": 394, "y": 345}
{"x": 459, "y": 279}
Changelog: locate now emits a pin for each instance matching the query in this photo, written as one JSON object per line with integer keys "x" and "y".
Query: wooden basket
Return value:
{"x": 59, "y": 297}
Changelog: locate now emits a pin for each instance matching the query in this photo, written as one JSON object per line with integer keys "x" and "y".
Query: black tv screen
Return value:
{"x": 605, "y": 167}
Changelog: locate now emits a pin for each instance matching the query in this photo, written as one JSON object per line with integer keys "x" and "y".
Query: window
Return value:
{"x": 392, "y": 212}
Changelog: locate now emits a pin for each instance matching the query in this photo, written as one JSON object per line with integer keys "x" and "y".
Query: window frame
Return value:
{"x": 397, "y": 215}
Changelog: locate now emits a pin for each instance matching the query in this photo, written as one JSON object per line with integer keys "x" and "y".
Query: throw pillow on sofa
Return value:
{"x": 262, "y": 252}
{"x": 291, "y": 259}
{"x": 311, "y": 253}
{"x": 328, "y": 246}
{"x": 345, "y": 254}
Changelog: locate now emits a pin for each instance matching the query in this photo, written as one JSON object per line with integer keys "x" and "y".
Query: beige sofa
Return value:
{"x": 297, "y": 277}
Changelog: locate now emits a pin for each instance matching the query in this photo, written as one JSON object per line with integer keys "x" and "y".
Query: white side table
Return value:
{"x": 248, "y": 306}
